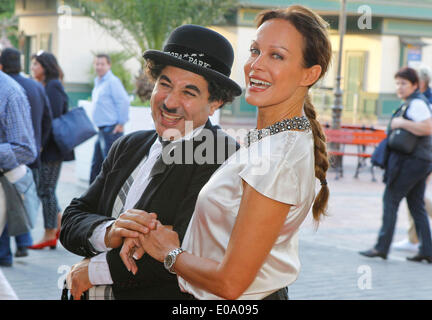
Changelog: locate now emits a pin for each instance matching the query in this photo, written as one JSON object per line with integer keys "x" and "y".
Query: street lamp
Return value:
{"x": 337, "y": 107}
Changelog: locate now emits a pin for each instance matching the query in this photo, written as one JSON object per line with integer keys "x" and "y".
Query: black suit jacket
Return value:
{"x": 171, "y": 195}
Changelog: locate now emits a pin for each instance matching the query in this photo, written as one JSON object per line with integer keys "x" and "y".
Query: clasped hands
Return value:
{"x": 140, "y": 232}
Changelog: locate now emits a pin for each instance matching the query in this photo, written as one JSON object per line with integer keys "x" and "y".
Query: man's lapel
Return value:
{"x": 125, "y": 165}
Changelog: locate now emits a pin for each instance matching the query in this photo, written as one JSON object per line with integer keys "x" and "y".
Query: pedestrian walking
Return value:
{"x": 10, "y": 63}
{"x": 411, "y": 243}
{"x": 425, "y": 75}
{"x": 110, "y": 111}
{"x": 405, "y": 174}
{"x": 47, "y": 71}
{"x": 17, "y": 148}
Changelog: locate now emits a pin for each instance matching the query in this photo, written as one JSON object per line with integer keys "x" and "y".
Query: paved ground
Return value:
{"x": 331, "y": 266}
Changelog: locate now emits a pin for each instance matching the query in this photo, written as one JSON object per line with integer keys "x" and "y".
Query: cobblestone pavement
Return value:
{"x": 331, "y": 266}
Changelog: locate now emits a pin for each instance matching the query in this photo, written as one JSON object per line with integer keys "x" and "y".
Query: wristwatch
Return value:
{"x": 170, "y": 259}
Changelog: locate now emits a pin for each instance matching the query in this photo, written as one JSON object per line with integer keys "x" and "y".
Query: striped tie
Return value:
{"x": 122, "y": 195}
{"x": 125, "y": 190}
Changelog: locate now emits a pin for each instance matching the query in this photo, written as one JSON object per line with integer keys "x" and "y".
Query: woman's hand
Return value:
{"x": 397, "y": 122}
{"x": 131, "y": 251}
{"x": 160, "y": 241}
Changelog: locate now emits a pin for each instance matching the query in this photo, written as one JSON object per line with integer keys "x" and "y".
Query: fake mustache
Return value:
{"x": 172, "y": 111}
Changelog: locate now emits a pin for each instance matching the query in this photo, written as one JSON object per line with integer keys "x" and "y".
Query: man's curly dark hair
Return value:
{"x": 217, "y": 90}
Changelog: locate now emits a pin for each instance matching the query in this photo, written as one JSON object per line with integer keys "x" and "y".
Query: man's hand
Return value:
{"x": 118, "y": 128}
{"x": 128, "y": 225}
{"x": 78, "y": 279}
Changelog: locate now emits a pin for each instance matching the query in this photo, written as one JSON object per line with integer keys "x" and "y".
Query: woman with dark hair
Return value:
{"x": 46, "y": 70}
{"x": 405, "y": 174}
{"x": 242, "y": 241}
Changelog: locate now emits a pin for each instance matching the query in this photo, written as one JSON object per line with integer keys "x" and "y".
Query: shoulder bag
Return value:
{"x": 401, "y": 140}
{"x": 72, "y": 129}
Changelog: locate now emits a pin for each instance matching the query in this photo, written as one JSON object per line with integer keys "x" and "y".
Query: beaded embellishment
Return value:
{"x": 296, "y": 123}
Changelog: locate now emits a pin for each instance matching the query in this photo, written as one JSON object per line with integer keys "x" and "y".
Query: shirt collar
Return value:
{"x": 104, "y": 77}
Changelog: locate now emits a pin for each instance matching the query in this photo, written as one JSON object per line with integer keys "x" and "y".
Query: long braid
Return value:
{"x": 321, "y": 161}
{"x": 316, "y": 51}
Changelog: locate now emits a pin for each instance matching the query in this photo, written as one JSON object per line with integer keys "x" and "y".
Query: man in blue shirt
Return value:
{"x": 110, "y": 110}
{"x": 17, "y": 146}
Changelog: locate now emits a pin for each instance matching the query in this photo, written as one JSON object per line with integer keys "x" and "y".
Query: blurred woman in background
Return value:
{"x": 46, "y": 70}
{"x": 405, "y": 174}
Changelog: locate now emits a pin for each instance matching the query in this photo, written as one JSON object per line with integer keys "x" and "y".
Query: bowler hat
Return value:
{"x": 199, "y": 50}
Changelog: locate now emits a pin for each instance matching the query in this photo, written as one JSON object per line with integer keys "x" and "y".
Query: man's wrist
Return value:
{"x": 107, "y": 237}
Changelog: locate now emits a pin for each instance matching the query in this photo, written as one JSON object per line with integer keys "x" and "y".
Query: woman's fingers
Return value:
{"x": 139, "y": 252}
{"x": 126, "y": 252}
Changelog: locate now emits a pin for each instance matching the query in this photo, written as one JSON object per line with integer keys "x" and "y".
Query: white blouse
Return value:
{"x": 279, "y": 166}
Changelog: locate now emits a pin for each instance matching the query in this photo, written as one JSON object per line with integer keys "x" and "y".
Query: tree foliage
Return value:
{"x": 8, "y": 24}
{"x": 145, "y": 24}
{"x": 148, "y": 22}
{"x": 7, "y": 8}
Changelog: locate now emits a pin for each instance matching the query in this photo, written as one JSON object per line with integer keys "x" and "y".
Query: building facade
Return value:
{"x": 52, "y": 26}
{"x": 381, "y": 36}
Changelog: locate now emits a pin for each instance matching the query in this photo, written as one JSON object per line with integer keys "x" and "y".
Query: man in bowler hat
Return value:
{"x": 136, "y": 183}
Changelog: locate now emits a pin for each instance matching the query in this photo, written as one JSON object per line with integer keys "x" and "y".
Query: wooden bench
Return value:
{"x": 358, "y": 136}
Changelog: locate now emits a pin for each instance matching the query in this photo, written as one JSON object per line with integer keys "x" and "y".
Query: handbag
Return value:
{"x": 402, "y": 140}
{"x": 380, "y": 155}
{"x": 72, "y": 129}
{"x": 26, "y": 187}
{"x": 16, "y": 216}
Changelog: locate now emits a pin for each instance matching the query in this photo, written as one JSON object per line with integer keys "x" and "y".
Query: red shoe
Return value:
{"x": 50, "y": 243}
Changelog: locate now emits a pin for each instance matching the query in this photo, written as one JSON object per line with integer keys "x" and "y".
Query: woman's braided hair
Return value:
{"x": 316, "y": 51}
